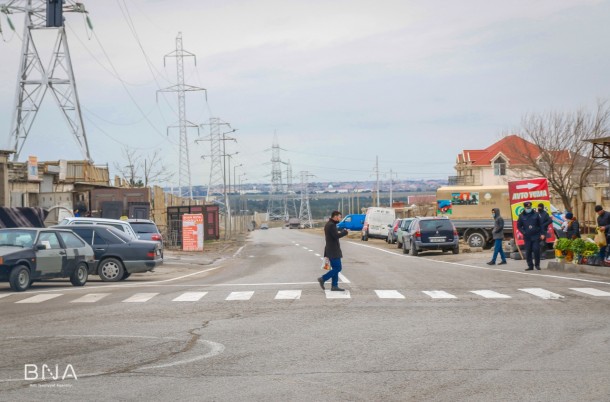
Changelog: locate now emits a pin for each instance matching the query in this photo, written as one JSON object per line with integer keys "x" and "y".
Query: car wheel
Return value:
{"x": 19, "y": 278}
{"x": 413, "y": 250}
{"x": 398, "y": 244}
{"x": 456, "y": 250}
{"x": 366, "y": 236}
{"x": 476, "y": 240}
{"x": 125, "y": 275}
{"x": 404, "y": 248}
{"x": 111, "y": 270}
{"x": 80, "y": 275}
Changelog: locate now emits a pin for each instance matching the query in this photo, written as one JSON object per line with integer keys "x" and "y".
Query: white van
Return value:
{"x": 376, "y": 222}
{"x": 123, "y": 226}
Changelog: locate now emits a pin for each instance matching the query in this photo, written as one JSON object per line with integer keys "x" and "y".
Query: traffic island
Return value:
{"x": 578, "y": 268}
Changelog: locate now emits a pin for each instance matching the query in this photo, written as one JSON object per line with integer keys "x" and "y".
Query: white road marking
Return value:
{"x": 337, "y": 295}
{"x": 490, "y": 294}
{"x": 239, "y": 296}
{"x": 90, "y": 298}
{"x": 310, "y": 251}
{"x": 542, "y": 293}
{"x": 39, "y": 298}
{"x": 190, "y": 296}
{"x": 288, "y": 295}
{"x": 592, "y": 291}
{"x": 477, "y": 267}
{"x": 238, "y": 251}
{"x": 4, "y": 295}
{"x": 439, "y": 294}
{"x": 297, "y": 244}
{"x": 343, "y": 279}
{"x": 140, "y": 298}
{"x": 389, "y": 294}
{"x": 305, "y": 248}
{"x": 318, "y": 255}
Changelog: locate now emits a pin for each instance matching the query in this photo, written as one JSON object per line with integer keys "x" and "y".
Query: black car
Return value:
{"x": 118, "y": 255}
{"x": 147, "y": 230}
{"x": 430, "y": 233}
{"x": 33, "y": 254}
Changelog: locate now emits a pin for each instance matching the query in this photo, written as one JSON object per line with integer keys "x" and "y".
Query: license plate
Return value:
{"x": 437, "y": 239}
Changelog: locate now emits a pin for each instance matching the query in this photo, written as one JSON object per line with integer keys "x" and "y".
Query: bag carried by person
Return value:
{"x": 326, "y": 264}
{"x": 600, "y": 238}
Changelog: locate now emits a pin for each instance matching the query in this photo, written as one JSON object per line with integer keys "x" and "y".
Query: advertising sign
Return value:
{"x": 535, "y": 191}
{"x": 192, "y": 232}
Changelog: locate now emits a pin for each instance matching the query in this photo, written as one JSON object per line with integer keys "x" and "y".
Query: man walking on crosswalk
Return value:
{"x": 333, "y": 251}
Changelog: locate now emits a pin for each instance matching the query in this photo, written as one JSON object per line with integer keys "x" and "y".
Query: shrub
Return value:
{"x": 578, "y": 246}
{"x": 563, "y": 244}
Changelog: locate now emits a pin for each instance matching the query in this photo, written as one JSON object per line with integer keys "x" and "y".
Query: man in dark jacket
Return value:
{"x": 498, "y": 236}
{"x": 530, "y": 226}
{"x": 546, "y": 222}
{"x": 332, "y": 251}
{"x": 603, "y": 222}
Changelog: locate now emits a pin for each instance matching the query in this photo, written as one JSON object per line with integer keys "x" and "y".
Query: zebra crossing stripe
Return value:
{"x": 90, "y": 298}
{"x": 140, "y": 298}
{"x": 389, "y": 294}
{"x": 439, "y": 294}
{"x": 542, "y": 293}
{"x": 337, "y": 295}
{"x": 190, "y": 296}
{"x": 39, "y": 298}
{"x": 239, "y": 296}
{"x": 592, "y": 291}
{"x": 288, "y": 295}
{"x": 490, "y": 294}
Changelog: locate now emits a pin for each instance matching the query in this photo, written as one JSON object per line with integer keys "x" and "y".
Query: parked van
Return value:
{"x": 376, "y": 222}
{"x": 352, "y": 222}
{"x": 123, "y": 226}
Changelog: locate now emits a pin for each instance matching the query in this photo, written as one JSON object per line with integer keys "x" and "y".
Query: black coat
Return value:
{"x": 332, "y": 235}
{"x": 603, "y": 220}
{"x": 573, "y": 231}
{"x": 546, "y": 220}
{"x": 530, "y": 225}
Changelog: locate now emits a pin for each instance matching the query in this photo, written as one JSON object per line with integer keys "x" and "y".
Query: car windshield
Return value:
{"x": 435, "y": 224}
{"x": 141, "y": 227}
{"x": 17, "y": 237}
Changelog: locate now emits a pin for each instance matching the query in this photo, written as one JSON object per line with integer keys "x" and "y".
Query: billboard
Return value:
{"x": 192, "y": 232}
{"x": 32, "y": 168}
{"x": 535, "y": 191}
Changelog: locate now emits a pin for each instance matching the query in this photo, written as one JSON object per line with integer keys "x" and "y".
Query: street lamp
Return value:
{"x": 234, "y": 180}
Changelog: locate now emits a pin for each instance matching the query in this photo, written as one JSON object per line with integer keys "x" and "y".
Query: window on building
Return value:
{"x": 500, "y": 167}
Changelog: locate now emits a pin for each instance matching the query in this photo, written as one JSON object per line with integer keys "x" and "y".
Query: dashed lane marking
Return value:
{"x": 190, "y": 296}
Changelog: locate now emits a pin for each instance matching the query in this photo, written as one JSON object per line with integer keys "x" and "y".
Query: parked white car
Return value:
{"x": 123, "y": 226}
{"x": 376, "y": 222}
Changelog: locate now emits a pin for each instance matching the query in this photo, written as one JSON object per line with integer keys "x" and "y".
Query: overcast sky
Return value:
{"x": 341, "y": 82}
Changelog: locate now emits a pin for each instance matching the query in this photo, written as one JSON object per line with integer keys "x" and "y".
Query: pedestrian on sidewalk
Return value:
{"x": 498, "y": 236}
{"x": 332, "y": 251}
{"x": 530, "y": 226}
{"x": 603, "y": 223}
{"x": 546, "y": 222}
{"x": 573, "y": 227}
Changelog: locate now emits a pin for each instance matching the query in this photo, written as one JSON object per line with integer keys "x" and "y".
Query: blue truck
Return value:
{"x": 352, "y": 222}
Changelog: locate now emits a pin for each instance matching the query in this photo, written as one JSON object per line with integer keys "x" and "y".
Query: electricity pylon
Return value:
{"x": 305, "y": 211}
{"x": 34, "y": 80}
{"x": 276, "y": 208}
{"x": 184, "y": 167}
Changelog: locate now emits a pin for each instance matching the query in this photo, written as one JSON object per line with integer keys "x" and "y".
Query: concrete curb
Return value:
{"x": 576, "y": 268}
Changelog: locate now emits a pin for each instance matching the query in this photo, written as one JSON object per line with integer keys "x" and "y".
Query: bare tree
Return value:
{"x": 561, "y": 152}
{"x": 140, "y": 171}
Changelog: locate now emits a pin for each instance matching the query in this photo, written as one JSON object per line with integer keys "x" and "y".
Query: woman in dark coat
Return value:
{"x": 573, "y": 229}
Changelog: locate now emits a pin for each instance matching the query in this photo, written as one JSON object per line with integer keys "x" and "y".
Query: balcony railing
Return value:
{"x": 466, "y": 180}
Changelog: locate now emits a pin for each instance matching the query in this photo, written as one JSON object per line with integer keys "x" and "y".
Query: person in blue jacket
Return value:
{"x": 530, "y": 226}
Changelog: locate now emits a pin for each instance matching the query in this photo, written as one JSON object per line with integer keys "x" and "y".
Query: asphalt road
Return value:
{"x": 257, "y": 326}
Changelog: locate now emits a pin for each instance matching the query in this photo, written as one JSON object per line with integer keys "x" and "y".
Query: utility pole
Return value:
{"x": 184, "y": 167}
{"x": 34, "y": 80}
{"x": 276, "y": 208}
{"x": 305, "y": 210}
{"x": 377, "y": 172}
{"x": 391, "y": 182}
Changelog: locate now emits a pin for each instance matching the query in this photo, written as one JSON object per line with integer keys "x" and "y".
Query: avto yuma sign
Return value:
{"x": 535, "y": 191}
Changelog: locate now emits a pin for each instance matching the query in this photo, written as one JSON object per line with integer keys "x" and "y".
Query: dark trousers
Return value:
{"x": 335, "y": 264}
{"x": 532, "y": 246}
{"x": 498, "y": 250}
